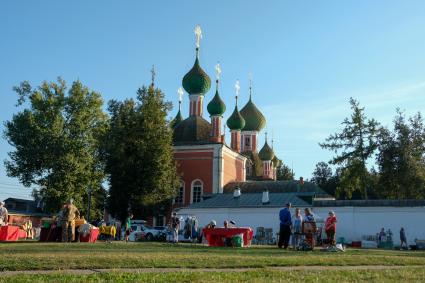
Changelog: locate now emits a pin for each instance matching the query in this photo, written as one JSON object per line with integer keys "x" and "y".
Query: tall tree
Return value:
{"x": 284, "y": 173}
{"x": 401, "y": 158}
{"x": 355, "y": 145}
{"x": 321, "y": 174}
{"x": 323, "y": 177}
{"x": 56, "y": 143}
{"x": 139, "y": 154}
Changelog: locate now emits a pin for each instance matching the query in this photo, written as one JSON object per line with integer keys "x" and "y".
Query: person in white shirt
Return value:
{"x": 3, "y": 214}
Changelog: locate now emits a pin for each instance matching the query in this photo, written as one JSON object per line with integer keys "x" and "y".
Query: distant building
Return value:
{"x": 21, "y": 210}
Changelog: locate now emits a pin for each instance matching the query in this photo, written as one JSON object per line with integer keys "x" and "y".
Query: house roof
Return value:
{"x": 276, "y": 187}
{"x": 370, "y": 203}
{"x": 253, "y": 200}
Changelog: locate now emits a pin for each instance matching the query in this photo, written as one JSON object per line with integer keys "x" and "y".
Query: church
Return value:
{"x": 204, "y": 161}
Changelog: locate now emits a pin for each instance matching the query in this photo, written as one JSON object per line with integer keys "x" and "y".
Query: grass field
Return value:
{"x": 193, "y": 263}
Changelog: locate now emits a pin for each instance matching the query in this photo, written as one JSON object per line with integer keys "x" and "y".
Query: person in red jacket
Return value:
{"x": 330, "y": 228}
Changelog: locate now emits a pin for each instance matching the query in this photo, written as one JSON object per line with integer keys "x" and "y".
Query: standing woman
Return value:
{"x": 330, "y": 228}
{"x": 297, "y": 221}
{"x": 309, "y": 227}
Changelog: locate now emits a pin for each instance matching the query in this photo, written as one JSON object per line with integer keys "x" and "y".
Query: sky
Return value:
{"x": 307, "y": 58}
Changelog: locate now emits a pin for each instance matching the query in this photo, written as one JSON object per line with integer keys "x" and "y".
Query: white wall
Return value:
{"x": 353, "y": 222}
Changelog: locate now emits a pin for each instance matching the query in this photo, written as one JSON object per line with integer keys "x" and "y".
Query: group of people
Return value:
{"x": 299, "y": 225}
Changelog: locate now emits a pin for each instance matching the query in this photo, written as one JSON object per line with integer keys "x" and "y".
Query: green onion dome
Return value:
{"x": 236, "y": 121}
{"x": 266, "y": 153}
{"x": 196, "y": 81}
{"x": 192, "y": 130}
{"x": 254, "y": 119}
{"x": 216, "y": 105}
{"x": 176, "y": 120}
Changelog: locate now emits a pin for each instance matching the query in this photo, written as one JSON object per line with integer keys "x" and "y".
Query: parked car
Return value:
{"x": 141, "y": 231}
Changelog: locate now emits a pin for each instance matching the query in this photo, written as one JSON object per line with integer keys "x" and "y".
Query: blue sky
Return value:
{"x": 306, "y": 57}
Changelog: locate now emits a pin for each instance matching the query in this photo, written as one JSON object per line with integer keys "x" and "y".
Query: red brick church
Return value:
{"x": 205, "y": 162}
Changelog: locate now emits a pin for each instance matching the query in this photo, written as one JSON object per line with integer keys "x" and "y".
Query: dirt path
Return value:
{"x": 167, "y": 270}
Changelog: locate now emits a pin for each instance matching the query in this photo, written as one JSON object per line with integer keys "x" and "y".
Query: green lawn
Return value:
{"x": 51, "y": 256}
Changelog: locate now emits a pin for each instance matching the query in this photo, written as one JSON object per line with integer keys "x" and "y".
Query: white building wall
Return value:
{"x": 353, "y": 222}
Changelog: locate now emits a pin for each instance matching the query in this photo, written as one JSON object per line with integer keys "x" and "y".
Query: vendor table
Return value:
{"x": 215, "y": 236}
{"x": 9, "y": 233}
{"x": 22, "y": 234}
{"x": 90, "y": 238}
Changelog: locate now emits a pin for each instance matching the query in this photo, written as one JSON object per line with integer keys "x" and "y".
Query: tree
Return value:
{"x": 284, "y": 173}
{"x": 56, "y": 143}
{"x": 139, "y": 154}
{"x": 401, "y": 158}
{"x": 322, "y": 174}
{"x": 323, "y": 177}
{"x": 356, "y": 143}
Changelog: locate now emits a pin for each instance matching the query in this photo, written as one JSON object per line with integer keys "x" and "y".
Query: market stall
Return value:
{"x": 9, "y": 233}
{"x": 88, "y": 233}
{"x": 216, "y": 237}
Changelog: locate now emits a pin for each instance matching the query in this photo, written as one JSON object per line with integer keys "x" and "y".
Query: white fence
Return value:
{"x": 353, "y": 222}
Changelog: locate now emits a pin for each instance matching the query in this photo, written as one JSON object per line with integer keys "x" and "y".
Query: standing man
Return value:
{"x": 128, "y": 226}
{"x": 285, "y": 226}
{"x": 403, "y": 239}
{"x": 175, "y": 226}
{"x": 4, "y": 214}
{"x": 70, "y": 213}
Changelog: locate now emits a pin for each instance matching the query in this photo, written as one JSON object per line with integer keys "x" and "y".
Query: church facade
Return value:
{"x": 205, "y": 163}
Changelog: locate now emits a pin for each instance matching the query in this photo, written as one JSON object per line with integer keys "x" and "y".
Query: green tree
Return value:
{"x": 284, "y": 173}
{"x": 139, "y": 154}
{"x": 401, "y": 159}
{"x": 56, "y": 143}
{"x": 323, "y": 177}
{"x": 355, "y": 144}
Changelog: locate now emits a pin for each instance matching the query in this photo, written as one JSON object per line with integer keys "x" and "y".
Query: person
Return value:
{"x": 4, "y": 214}
{"x": 226, "y": 224}
{"x": 285, "y": 226}
{"x": 382, "y": 235}
{"x": 297, "y": 221}
{"x": 28, "y": 229}
{"x": 175, "y": 226}
{"x": 70, "y": 213}
{"x": 403, "y": 238}
{"x": 211, "y": 225}
{"x": 309, "y": 227}
{"x": 128, "y": 226}
{"x": 227, "y": 240}
{"x": 330, "y": 228}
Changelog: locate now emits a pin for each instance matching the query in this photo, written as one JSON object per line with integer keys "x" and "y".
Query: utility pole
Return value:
{"x": 89, "y": 191}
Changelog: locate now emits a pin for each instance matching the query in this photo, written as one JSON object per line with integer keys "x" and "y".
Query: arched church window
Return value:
{"x": 197, "y": 188}
{"x": 248, "y": 169}
{"x": 247, "y": 141}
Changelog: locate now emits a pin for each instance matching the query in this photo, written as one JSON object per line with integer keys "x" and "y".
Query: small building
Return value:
{"x": 22, "y": 210}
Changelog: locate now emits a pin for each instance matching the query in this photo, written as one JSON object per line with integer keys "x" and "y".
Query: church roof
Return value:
{"x": 236, "y": 121}
{"x": 266, "y": 153}
{"x": 216, "y": 105}
{"x": 193, "y": 130}
{"x": 176, "y": 119}
{"x": 254, "y": 119}
{"x": 196, "y": 81}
